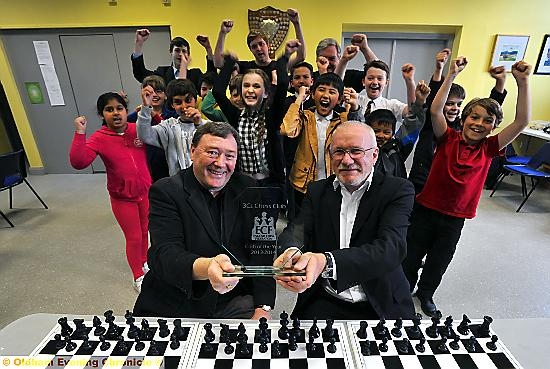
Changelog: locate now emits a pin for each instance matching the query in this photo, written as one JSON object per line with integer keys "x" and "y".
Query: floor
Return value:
{"x": 70, "y": 258}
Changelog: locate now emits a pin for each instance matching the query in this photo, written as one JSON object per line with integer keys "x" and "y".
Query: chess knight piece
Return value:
{"x": 271, "y": 22}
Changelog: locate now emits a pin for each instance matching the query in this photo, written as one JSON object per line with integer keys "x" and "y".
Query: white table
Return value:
{"x": 527, "y": 339}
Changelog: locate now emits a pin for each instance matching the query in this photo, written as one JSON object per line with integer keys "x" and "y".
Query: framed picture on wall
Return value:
{"x": 508, "y": 50}
{"x": 543, "y": 61}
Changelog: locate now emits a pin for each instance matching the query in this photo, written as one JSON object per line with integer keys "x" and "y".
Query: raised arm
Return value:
{"x": 414, "y": 121}
{"x": 407, "y": 71}
{"x": 440, "y": 61}
{"x": 293, "y": 120}
{"x": 219, "y": 91}
{"x": 204, "y": 40}
{"x": 439, "y": 123}
{"x": 138, "y": 65}
{"x": 361, "y": 41}
{"x": 145, "y": 131}
{"x": 225, "y": 28}
{"x": 350, "y": 52}
{"x": 521, "y": 71}
{"x": 301, "y": 51}
{"x": 82, "y": 153}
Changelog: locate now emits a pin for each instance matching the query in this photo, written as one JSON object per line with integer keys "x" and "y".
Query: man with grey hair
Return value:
{"x": 354, "y": 237}
{"x": 198, "y": 231}
{"x": 328, "y": 55}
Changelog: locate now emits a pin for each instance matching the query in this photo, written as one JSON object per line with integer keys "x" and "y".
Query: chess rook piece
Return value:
{"x": 66, "y": 329}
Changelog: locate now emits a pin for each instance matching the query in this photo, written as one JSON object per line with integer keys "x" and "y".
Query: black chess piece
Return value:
{"x": 365, "y": 348}
{"x": 113, "y": 329}
{"x": 396, "y": 331}
{"x": 109, "y": 316}
{"x": 362, "y": 331}
{"x": 209, "y": 336}
{"x": 129, "y": 315}
{"x": 415, "y": 332}
{"x": 145, "y": 333}
{"x": 263, "y": 347}
{"x": 263, "y": 323}
{"x": 471, "y": 344}
{"x": 314, "y": 330}
{"x": 310, "y": 346}
{"x": 228, "y": 349}
{"x": 139, "y": 345}
{"x": 66, "y": 329}
{"x": 174, "y": 343}
{"x": 59, "y": 343}
{"x": 292, "y": 345}
{"x": 483, "y": 330}
{"x": 275, "y": 349}
{"x": 443, "y": 345}
{"x": 464, "y": 326}
{"x": 153, "y": 348}
{"x": 331, "y": 348}
{"x": 420, "y": 345}
{"x": 244, "y": 350}
{"x": 383, "y": 346}
{"x": 431, "y": 331}
{"x": 122, "y": 345}
{"x": 296, "y": 326}
{"x": 283, "y": 331}
{"x": 402, "y": 346}
{"x": 492, "y": 345}
{"x": 80, "y": 330}
{"x": 99, "y": 330}
{"x": 69, "y": 344}
{"x": 241, "y": 330}
{"x": 329, "y": 329}
{"x": 455, "y": 343}
{"x": 133, "y": 330}
{"x": 86, "y": 345}
{"x": 164, "y": 331}
{"x": 105, "y": 345}
{"x": 380, "y": 328}
{"x": 178, "y": 330}
{"x": 224, "y": 333}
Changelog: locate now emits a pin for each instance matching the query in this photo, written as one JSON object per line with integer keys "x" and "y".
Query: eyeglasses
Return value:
{"x": 354, "y": 153}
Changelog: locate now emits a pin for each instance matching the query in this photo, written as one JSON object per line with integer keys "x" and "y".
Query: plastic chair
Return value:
{"x": 13, "y": 172}
{"x": 529, "y": 170}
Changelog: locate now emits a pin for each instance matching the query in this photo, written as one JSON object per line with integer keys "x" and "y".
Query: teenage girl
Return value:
{"x": 128, "y": 178}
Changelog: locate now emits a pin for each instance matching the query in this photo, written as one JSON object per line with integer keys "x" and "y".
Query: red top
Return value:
{"x": 124, "y": 157}
{"x": 457, "y": 174}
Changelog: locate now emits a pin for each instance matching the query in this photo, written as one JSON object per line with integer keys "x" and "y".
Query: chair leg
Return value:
{"x": 523, "y": 187}
{"x": 35, "y": 194}
{"x": 11, "y": 198}
{"x": 6, "y": 218}
{"x": 535, "y": 183}
{"x": 502, "y": 176}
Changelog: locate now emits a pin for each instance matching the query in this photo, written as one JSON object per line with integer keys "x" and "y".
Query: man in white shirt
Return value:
{"x": 354, "y": 236}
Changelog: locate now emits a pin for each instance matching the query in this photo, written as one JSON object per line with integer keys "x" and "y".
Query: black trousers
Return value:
{"x": 323, "y": 306}
{"x": 434, "y": 235}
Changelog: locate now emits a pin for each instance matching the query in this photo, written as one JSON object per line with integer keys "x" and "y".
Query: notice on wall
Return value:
{"x": 47, "y": 68}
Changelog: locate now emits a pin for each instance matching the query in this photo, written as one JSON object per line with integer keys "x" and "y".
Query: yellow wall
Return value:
{"x": 476, "y": 23}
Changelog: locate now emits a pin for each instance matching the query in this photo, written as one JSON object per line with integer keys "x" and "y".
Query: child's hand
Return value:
{"x": 407, "y": 71}
{"x": 360, "y": 41}
{"x": 293, "y": 15}
{"x": 192, "y": 115}
{"x": 322, "y": 64}
{"x": 185, "y": 59}
{"x": 422, "y": 91}
{"x": 226, "y": 26}
{"x": 441, "y": 58}
{"x": 458, "y": 65}
{"x": 498, "y": 72}
{"x": 350, "y": 52}
{"x": 291, "y": 47}
{"x": 521, "y": 70}
{"x": 303, "y": 91}
{"x": 142, "y": 35}
{"x": 350, "y": 97}
{"x": 80, "y": 124}
{"x": 147, "y": 95}
{"x": 204, "y": 41}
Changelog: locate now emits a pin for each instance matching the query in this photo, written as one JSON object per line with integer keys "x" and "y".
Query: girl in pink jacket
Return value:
{"x": 128, "y": 178}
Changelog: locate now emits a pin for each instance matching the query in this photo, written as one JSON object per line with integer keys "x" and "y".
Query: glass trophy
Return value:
{"x": 259, "y": 211}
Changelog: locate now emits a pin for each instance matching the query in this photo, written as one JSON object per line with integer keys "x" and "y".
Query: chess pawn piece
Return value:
{"x": 455, "y": 343}
{"x": 383, "y": 346}
{"x": 331, "y": 348}
{"x": 362, "y": 331}
{"x": 396, "y": 331}
{"x": 492, "y": 345}
{"x": 275, "y": 349}
{"x": 139, "y": 345}
{"x": 174, "y": 343}
{"x": 228, "y": 349}
{"x": 365, "y": 348}
{"x": 420, "y": 345}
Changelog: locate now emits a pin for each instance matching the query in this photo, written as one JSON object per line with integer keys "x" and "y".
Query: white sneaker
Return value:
{"x": 145, "y": 268}
{"x": 137, "y": 284}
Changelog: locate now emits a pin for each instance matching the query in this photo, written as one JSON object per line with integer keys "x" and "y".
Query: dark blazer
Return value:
{"x": 181, "y": 231}
{"x": 378, "y": 242}
{"x": 167, "y": 71}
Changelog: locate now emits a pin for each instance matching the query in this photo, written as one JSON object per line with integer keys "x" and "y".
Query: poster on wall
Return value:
{"x": 508, "y": 50}
{"x": 543, "y": 61}
{"x": 47, "y": 68}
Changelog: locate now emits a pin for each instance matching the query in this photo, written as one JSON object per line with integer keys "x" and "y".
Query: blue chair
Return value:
{"x": 13, "y": 172}
{"x": 529, "y": 170}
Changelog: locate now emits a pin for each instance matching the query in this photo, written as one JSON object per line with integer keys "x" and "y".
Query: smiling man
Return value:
{"x": 354, "y": 236}
{"x": 197, "y": 233}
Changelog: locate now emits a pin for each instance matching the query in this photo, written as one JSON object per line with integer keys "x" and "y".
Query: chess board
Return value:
{"x": 302, "y": 357}
{"x": 122, "y": 352}
{"x": 468, "y": 352}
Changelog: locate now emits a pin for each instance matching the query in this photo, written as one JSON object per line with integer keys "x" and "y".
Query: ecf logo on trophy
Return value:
{"x": 271, "y": 22}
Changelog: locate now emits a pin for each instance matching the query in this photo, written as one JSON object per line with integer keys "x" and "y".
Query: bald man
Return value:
{"x": 353, "y": 226}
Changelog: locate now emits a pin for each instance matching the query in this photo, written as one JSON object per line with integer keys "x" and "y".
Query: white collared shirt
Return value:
{"x": 321, "y": 127}
{"x": 348, "y": 213}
